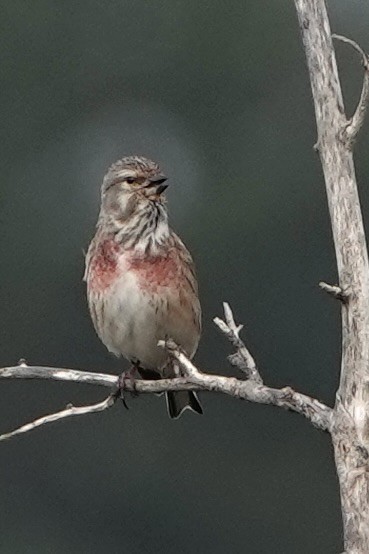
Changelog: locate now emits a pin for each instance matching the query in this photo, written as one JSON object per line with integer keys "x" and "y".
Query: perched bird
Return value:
{"x": 141, "y": 283}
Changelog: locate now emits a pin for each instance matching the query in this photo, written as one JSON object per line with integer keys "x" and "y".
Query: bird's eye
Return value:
{"x": 130, "y": 180}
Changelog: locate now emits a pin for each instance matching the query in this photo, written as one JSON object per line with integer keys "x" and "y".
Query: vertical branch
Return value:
{"x": 350, "y": 432}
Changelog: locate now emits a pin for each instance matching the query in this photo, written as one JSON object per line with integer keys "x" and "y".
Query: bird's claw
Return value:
{"x": 122, "y": 385}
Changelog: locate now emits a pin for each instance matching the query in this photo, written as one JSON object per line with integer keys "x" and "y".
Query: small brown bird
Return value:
{"x": 141, "y": 282}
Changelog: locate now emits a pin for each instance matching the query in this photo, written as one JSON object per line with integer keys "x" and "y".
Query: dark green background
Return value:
{"x": 218, "y": 93}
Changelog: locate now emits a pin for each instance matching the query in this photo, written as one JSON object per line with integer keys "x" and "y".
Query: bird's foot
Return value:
{"x": 124, "y": 378}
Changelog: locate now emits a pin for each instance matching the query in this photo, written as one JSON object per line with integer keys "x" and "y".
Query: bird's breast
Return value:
{"x": 104, "y": 267}
{"x": 137, "y": 299}
{"x": 154, "y": 272}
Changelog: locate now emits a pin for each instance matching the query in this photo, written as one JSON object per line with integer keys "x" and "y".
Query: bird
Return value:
{"x": 141, "y": 280}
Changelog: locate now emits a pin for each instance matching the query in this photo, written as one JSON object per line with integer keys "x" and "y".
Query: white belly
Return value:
{"x": 135, "y": 320}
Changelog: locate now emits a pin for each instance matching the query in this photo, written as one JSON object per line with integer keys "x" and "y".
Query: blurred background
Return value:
{"x": 217, "y": 93}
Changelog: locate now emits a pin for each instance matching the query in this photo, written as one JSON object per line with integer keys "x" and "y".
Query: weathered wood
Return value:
{"x": 350, "y": 432}
{"x": 251, "y": 389}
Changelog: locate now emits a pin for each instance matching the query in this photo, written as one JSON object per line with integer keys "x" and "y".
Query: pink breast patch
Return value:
{"x": 103, "y": 269}
{"x": 154, "y": 272}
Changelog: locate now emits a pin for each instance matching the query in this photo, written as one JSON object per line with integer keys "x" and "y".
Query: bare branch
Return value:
{"x": 24, "y": 371}
{"x": 335, "y": 291}
{"x": 68, "y": 412}
{"x": 357, "y": 119}
{"x": 336, "y": 135}
{"x": 242, "y": 358}
{"x": 254, "y": 391}
{"x": 251, "y": 390}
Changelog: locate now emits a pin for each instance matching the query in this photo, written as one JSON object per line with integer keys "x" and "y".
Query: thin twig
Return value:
{"x": 242, "y": 358}
{"x": 335, "y": 291}
{"x": 69, "y": 411}
{"x": 357, "y": 119}
{"x": 176, "y": 353}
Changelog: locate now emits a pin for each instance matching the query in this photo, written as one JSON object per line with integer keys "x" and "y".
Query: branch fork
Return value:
{"x": 250, "y": 388}
{"x": 354, "y": 124}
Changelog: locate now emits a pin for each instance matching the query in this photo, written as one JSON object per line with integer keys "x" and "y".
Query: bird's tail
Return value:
{"x": 178, "y": 402}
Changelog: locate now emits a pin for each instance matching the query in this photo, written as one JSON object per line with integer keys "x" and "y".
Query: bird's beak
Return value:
{"x": 156, "y": 183}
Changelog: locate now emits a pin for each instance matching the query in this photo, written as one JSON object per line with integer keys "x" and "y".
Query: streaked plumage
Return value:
{"x": 141, "y": 283}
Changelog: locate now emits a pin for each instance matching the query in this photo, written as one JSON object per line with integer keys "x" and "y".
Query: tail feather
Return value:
{"x": 178, "y": 402}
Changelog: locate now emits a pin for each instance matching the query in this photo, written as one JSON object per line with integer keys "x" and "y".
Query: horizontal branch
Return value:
{"x": 24, "y": 371}
{"x": 251, "y": 389}
{"x": 318, "y": 413}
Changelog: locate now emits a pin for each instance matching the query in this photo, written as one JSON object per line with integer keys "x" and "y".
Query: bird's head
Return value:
{"x": 130, "y": 184}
